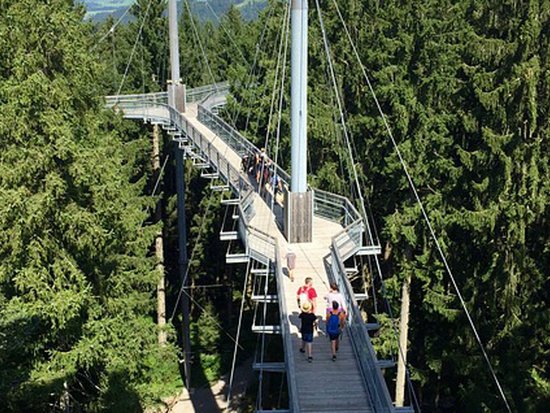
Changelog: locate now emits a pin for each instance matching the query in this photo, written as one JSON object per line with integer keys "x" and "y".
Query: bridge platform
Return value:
{"x": 352, "y": 383}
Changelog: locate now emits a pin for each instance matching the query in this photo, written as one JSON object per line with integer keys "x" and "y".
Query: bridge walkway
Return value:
{"x": 354, "y": 383}
{"x": 313, "y": 380}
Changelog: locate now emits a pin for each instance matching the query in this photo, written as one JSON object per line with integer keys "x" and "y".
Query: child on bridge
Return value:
{"x": 308, "y": 321}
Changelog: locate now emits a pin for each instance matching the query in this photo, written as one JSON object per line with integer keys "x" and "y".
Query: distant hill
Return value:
{"x": 99, "y": 10}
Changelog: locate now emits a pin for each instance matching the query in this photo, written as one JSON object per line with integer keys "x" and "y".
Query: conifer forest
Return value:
{"x": 465, "y": 88}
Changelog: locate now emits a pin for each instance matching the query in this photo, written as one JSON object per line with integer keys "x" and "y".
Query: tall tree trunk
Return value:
{"x": 159, "y": 245}
{"x": 403, "y": 337}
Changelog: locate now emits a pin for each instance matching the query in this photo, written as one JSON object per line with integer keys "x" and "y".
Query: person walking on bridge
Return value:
{"x": 308, "y": 321}
{"x": 335, "y": 323}
{"x": 306, "y": 293}
{"x": 335, "y": 295}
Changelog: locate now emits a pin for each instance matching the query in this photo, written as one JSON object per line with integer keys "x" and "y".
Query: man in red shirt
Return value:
{"x": 307, "y": 293}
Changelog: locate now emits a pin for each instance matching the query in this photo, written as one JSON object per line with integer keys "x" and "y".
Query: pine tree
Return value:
{"x": 465, "y": 89}
{"x": 76, "y": 276}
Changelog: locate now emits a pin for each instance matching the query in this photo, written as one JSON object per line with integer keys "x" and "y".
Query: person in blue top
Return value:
{"x": 335, "y": 323}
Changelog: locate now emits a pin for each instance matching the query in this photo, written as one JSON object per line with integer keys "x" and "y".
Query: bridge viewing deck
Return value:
{"x": 354, "y": 383}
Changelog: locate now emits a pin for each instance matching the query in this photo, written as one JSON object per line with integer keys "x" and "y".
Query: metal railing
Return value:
{"x": 238, "y": 142}
{"x": 265, "y": 248}
{"x": 344, "y": 245}
{"x": 335, "y": 208}
{"x": 287, "y": 338}
{"x": 137, "y": 100}
{"x": 229, "y": 135}
{"x": 326, "y": 205}
{"x": 259, "y": 245}
{"x": 198, "y": 94}
{"x": 375, "y": 384}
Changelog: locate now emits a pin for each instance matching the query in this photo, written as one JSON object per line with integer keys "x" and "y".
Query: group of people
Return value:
{"x": 335, "y": 316}
{"x": 260, "y": 167}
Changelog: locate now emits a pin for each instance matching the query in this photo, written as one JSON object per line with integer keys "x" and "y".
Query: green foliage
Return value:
{"x": 465, "y": 88}
{"x": 206, "y": 330}
{"x": 76, "y": 276}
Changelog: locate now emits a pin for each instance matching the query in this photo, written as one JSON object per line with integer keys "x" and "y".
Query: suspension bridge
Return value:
{"x": 325, "y": 230}
{"x": 338, "y": 236}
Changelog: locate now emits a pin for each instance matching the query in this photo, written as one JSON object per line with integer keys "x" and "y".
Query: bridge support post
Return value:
{"x": 298, "y": 216}
{"x": 183, "y": 262}
{"x": 298, "y": 98}
{"x": 298, "y": 202}
{"x": 176, "y": 96}
{"x": 176, "y": 91}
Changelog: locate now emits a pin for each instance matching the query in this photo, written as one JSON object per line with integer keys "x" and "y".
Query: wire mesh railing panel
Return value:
{"x": 137, "y": 99}
{"x": 334, "y": 207}
{"x": 350, "y": 240}
{"x": 264, "y": 248}
{"x": 231, "y": 137}
{"x": 198, "y": 94}
{"x": 375, "y": 384}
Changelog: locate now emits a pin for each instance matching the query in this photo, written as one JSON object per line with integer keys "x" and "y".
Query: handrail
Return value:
{"x": 284, "y": 316}
{"x": 236, "y": 140}
{"x": 198, "y": 94}
{"x": 327, "y": 205}
{"x": 357, "y": 329}
{"x": 250, "y": 233}
{"x": 335, "y": 207}
{"x": 263, "y": 247}
{"x": 195, "y": 94}
{"x": 135, "y": 99}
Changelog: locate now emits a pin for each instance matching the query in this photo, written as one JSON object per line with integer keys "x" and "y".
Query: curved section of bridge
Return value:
{"x": 354, "y": 383}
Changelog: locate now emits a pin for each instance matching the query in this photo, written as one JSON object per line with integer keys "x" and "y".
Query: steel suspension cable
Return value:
{"x": 234, "y": 361}
{"x": 253, "y": 70}
{"x": 142, "y": 66}
{"x": 133, "y": 50}
{"x": 279, "y": 114}
{"x": 337, "y": 135}
{"x": 344, "y": 127}
{"x": 231, "y": 39}
{"x": 183, "y": 288}
{"x": 160, "y": 174}
{"x": 195, "y": 31}
{"x": 232, "y": 118}
{"x": 112, "y": 28}
{"x": 161, "y": 64}
{"x": 113, "y": 45}
{"x": 199, "y": 236}
{"x": 284, "y": 29}
{"x": 259, "y": 113}
{"x": 342, "y": 118}
{"x": 423, "y": 210}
